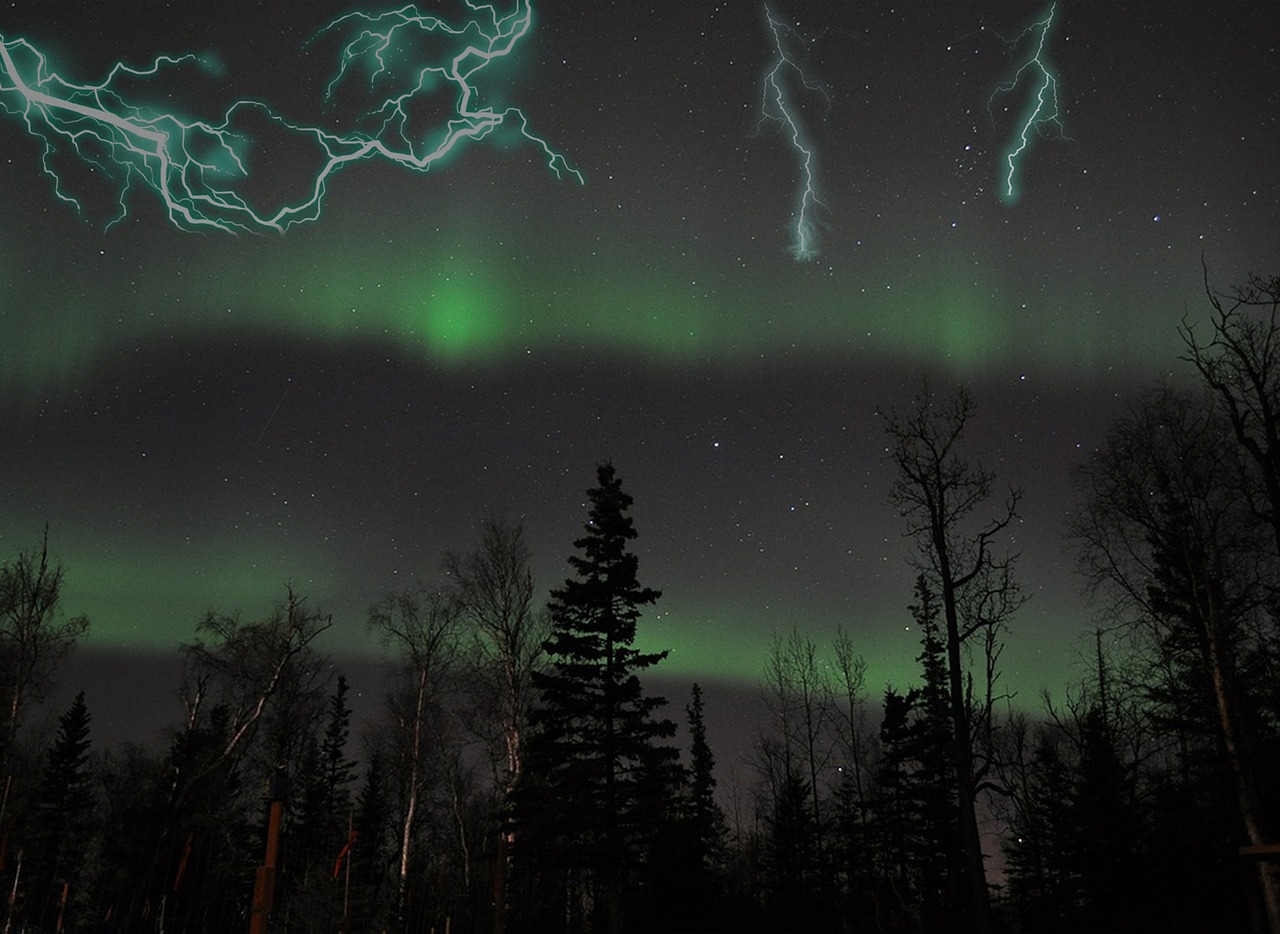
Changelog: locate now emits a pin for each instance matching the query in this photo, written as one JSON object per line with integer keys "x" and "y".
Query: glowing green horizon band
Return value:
{"x": 477, "y": 309}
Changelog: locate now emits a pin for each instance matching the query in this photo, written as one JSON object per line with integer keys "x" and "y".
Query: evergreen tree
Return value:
{"x": 1073, "y": 858}
{"x": 938, "y": 854}
{"x": 61, "y": 824}
{"x": 35, "y": 635}
{"x": 896, "y": 821}
{"x": 794, "y": 873}
{"x": 707, "y": 819}
{"x": 1106, "y": 825}
{"x": 133, "y": 783}
{"x": 200, "y": 861}
{"x": 917, "y": 823}
{"x": 596, "y": 752}
{"x": 323, "y": 819}
{"x": 1037, "y": 854}
{"x": 336, "y": 771}
{"x": 685, "y": 858}
{"x": 371, "y": 854}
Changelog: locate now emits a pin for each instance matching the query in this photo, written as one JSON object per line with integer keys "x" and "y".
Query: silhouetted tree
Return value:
{"x": 371, "y": 855}
{"x": 596, "y": 750}
{"x": 493, "y": 587}
{"x": 795, "y": 891}
{"x": 208, "y": 846}
{"x": 795, "y": 749}
{"x": 705, "y": 814}
{"x": 1075, "y": 852}
{"x": 421, "y": 627}
{"x": 939, "y": 854}
{"x": 1037, "y": 852}
{"x": 852, "y": 850}
{"x": 1106, "y": 828}
{"x": 34, "y": 634}
{"x": 1240, "y": 365}
{"x": 133, "y": 790}
{"x": 62, "y": 831}
{"x": 896, "y": 827}
{"x": 257, "y": 672}
{"x": 323, "y": 816}
{"x": 684, "y": 861}
{"x": 1184, "y": 561}
{"x": 937, "y": 490}
{"x": 914, "y": 834}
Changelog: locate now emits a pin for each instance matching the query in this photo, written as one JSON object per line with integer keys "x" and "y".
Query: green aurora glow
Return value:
{"x": 468, "y": 308}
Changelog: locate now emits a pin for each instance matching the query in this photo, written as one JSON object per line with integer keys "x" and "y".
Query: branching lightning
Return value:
{"x": 776, "y": 106}
{"x": 196, "y": 166}
{"x": 1044, "y": 113}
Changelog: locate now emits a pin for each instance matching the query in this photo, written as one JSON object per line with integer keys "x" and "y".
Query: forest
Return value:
{"x": 521, "y": 777}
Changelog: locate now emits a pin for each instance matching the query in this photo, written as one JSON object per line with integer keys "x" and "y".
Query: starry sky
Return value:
{"x": 201, "y": 416}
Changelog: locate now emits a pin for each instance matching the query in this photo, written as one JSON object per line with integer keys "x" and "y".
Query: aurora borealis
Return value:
{"x": 201, "y": 417}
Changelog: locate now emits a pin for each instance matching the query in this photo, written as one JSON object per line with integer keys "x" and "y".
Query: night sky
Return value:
{"x": 201, "y": 416}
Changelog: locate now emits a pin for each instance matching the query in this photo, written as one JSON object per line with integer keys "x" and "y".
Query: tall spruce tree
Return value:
{"x": 597, "y": 750}
{"x": 705, "y": 815}
{"x": 916, "y": 836}
{"x": 371, "y": 857}
{"x": 684, "y": 874}
{"x": 323, "y": 820}
{"x": 939, "y": 856}
{"x": 61, "y": 831}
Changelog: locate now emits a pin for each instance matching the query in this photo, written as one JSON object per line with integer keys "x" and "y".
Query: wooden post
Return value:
{"x": 264, "y": 881}
{"x": 62, "y": 905}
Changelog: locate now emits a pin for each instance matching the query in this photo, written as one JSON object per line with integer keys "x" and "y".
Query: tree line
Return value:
{"x": 520, "y": 776}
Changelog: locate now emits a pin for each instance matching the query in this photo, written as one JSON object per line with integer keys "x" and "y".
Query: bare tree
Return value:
{"x": 493, "y": 588}
{"x": 938, "y": 491}
{"x": 1240, "y": 363}
{"x": 245, "y": 667}
{"x": 800, "y": 699}
{"x": 850, "y": 713}
{"x": 1183, "y": 560}
{"x": 34, "y": 635}
{"x": 421, "y": 627}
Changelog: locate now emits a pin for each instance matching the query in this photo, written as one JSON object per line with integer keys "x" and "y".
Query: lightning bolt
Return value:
{"x": 1043, "y": 112}
{"x": 195, "y": 166}
{"x": 776, "y": 107}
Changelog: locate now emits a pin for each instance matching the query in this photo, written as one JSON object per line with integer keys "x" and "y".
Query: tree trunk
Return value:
{"x": 962, "y": 752}
{"x": 1237, "y": 745}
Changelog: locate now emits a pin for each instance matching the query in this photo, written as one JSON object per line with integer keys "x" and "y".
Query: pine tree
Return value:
{"x": 337, "y": 769}
{"x": 370, "y": 856}
{"x": 705, "y": 814}
{"x": 938, "y": 854}
{"x": 209, "y": 837}
{"x": 66, "y": 798}
{"x": 794, "y": 875}
{"x": 1106, "y": 827}
{"x": 1037, "y": 853}
{"x": 896, "y": 820}
{"x": 596, "y": 752}
{"x": 323, "y": 821}
{"x": 916, "y": 806}
{"x": 685, "y": 858}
